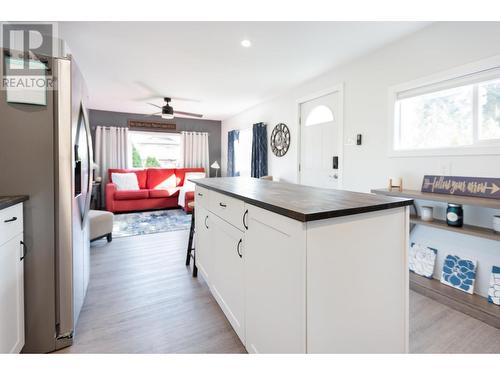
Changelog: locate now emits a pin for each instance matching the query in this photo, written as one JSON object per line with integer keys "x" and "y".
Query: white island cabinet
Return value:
{"x": 11, "y": 275}
{"x": 297, "y": 269}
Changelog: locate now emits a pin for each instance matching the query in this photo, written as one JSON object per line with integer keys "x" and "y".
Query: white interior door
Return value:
{"x": 320, "y": 141}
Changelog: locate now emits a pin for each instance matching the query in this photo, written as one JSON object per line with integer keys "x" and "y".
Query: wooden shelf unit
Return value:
{"x": 415, "y": 194}
{"x": 470, "y": 230}
{"x": 473, "y": 305}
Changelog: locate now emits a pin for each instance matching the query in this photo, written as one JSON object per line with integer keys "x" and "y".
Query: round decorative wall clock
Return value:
{"x": 280, "y": 139}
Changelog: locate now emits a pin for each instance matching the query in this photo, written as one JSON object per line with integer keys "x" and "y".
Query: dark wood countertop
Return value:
{"x": 300, "y": 202}
{"x": 11, "y": 200}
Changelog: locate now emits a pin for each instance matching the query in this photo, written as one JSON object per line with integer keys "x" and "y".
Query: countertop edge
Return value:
{"x": 311, "y": 216}
{"x": 9, "y": 201}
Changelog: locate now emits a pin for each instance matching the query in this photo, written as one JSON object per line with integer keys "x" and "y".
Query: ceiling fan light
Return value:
{"x": 167, "y": 112}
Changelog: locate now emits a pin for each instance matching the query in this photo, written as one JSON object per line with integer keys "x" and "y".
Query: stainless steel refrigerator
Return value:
{"x": 46, "y": 153}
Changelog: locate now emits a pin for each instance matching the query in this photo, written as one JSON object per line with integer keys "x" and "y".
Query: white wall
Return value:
{"x": 366, "y": 82}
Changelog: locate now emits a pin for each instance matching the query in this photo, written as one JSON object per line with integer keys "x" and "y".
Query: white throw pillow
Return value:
{"x": 168, "y": 183}
{"x": 188, "y": 185}
{"x": 125, "y": 181}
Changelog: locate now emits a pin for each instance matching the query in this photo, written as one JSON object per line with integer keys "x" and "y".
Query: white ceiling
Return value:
{"x": 127, "y": 64}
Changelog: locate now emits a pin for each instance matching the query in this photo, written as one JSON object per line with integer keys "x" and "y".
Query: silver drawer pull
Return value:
{"x": 10, "y": 220}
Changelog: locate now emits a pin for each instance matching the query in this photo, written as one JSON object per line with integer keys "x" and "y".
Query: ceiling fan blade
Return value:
{"x": 154, "y": 94}
{"x": 188, "y": 114}
{"x": 184, "y": 99}
{"x": 155, "y": 105}
{"x": 150, "y": 90}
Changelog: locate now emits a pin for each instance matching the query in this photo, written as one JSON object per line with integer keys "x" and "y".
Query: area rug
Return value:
{"x": 135, "y": 224}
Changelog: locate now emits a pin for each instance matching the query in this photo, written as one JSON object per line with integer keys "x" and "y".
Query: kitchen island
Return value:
{"x": 298, "y": 269}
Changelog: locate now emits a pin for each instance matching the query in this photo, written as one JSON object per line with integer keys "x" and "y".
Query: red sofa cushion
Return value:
{"x": 181, "y": 173}
{"x": 142, "y": 175}
{"x": 163, "y": 193}
{"x": 122, "y": 195}
{"x": 157, "y": 176}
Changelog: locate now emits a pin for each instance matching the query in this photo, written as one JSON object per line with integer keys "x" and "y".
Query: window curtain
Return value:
{"x": 111, "y": 151}
{"x": 259, "y": 150}
{"x": 232, "y": 137}
{"x": 194, "y": 151}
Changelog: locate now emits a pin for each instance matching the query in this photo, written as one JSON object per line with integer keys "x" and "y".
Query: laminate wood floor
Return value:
{"x": 436, "y": 328}
{"x": 142, "y": 299}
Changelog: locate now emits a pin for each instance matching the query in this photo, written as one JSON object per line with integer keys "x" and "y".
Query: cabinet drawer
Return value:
{"x": 227, "y": 208}
{"x": 11, "y": 222}
{"x": 201, "y": 196}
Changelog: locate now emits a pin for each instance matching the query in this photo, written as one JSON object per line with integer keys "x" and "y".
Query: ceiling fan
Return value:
{"x": 167, "y": 111}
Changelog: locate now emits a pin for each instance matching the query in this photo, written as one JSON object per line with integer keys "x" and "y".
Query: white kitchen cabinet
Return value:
{"x": 203, "y": 249}
{"x": 227, "y": 279}
{"x": 275, "y": 275}
{"x": 11, "y": 280}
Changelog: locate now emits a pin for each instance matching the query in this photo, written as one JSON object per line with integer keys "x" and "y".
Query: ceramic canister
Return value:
{"x": 426, "y": 213}
{"x": 455, "y": 215}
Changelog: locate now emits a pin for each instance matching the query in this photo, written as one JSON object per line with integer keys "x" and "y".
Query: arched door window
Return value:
{"x": 319, "y": 115}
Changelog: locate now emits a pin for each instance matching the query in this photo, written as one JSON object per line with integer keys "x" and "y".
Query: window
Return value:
{"x": 243, "y": 153}
{"x": 458, "y": 115}
{"x": 434, "y": 120}
{"x": 319, "y": 115}
{"x": 154, "y": 149}
{"x": 489, "y": 109}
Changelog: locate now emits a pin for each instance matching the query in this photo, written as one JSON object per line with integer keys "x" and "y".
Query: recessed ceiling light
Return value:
{"x": 246, "y": 43}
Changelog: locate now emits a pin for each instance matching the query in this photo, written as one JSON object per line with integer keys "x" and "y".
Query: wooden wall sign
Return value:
{"x": 484, "y": 187}
{"x": 150, "y": 125}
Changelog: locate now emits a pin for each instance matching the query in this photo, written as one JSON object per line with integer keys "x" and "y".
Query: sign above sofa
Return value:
{"x": 150, "y": 125}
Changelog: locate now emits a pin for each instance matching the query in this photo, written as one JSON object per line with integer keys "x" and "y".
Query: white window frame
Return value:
{"x": 479, "y": 147}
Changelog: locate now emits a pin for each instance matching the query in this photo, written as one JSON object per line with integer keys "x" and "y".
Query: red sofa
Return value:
{"x": 149, "y": 197}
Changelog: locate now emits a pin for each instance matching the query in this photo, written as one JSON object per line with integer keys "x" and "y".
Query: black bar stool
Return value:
{"x": 191, "y": 252}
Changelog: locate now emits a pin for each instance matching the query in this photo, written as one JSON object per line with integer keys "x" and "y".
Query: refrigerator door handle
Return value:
{"x": 64, "y": 202}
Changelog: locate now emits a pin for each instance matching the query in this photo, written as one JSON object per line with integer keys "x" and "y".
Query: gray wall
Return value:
{"x": 120, "y": 119}
{"x": 26, "y": 165}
